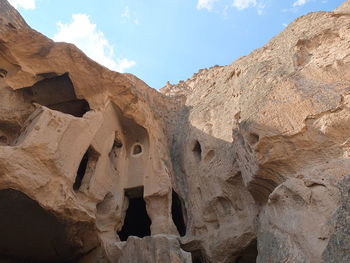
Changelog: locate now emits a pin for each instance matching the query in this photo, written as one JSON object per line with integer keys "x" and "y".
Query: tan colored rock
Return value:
{"x": 152, "y": 249}
{"x": 284, "y": 111}
{"x": 243, "y": 163}
{"x": 69, "y": 129}
{"x": 344, "y": 8}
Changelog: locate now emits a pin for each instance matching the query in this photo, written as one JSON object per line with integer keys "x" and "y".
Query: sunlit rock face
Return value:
{"x": 243, "y": 163}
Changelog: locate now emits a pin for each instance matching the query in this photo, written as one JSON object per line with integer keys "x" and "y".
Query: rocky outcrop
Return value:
{"x": 77, "y": 139}
{"x": 243, "y": 163}
{"x": 276, "y": 119}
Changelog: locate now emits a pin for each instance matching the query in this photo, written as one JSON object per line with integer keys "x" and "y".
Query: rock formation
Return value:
{"x": 243, "y": 163}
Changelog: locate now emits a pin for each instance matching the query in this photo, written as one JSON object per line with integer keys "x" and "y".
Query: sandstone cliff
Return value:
{"x": 243, "y": 163}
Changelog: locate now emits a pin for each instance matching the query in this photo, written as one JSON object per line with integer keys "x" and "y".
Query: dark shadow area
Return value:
{"x": 137, "y": 149}
{"x": 86, "y": 168}
{"x": 197, "y": 251}
{"x": 56, "y": 93}
{"x": 28, "y": 233}
{"x": 197, "y": 150}
{"x": 136, "y": 222}
{"x": 198, "y": 257}
{"x": 8, "y": 132}
{"x": 249, "y": 254}
{"x": 81, "y": 172}
{"x": 177, "y": 211}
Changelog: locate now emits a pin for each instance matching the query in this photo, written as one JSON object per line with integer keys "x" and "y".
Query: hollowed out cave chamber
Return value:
{"x": 29, "y": 233}
{"x": 178, "y": 213}
{"x": 57, "y": 93}
{"x": 136, "y": 222}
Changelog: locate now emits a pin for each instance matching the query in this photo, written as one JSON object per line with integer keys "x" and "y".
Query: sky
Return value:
{"x": 165, "y": 40}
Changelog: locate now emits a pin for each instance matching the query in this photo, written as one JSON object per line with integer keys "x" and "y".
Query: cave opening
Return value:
{"x": 86, "y": 169}
{"x": 137, "y": 149}
{"x": 177, "y": 211}
{"x": 197, "y": 149}
{"x": 29, "y": 233}
{"x": 198, "y": 256}
{"x": 57, "y": 93}
{"x": 249, "y": 254}
{"x": 136, "y": 222}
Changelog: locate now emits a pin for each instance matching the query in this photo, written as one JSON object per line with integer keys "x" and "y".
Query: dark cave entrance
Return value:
{"x": 249, "y": 254}
{"x": 29, "y": 233}
{"x": 197, "y": 150}
{"x": 198, "y": 256}
{"x": 81, "y": 172}
{"x": 177, "y": 211}
{"x": 136, "y": 222}
{"x": 86, "y": 169}
{"x": 57, "y": 93}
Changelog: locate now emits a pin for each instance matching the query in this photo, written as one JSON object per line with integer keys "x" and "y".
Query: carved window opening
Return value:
{"x": 177, "y": 211}
{"x": 29, "y": 233}
{"x": 56, "y": 93}
{"x": 136, "y": 222}
{"x": 86, "y": 169}
{"x": 136, "y": 149}
{"x": 197, "y": 150}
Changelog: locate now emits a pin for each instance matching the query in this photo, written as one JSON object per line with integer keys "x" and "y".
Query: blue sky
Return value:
{"x": 165, "y": 40}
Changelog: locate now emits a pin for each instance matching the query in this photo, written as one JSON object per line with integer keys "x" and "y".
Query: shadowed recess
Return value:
{"x": 56, "y": 93}
{"x": 136, "y": 222}
{"x": 177, "y": 211}
{"x": 31, "y": 234}
{"x": 86, "y": 169}
{"x": 137, "y": 149}
{"x": 249, "y": 254}
{"x": 198, "y": 257}
{"x": 197, "y": 150}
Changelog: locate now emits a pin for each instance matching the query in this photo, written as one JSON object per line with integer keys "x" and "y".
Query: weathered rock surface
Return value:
{"x": 243, "y": 163}
{"x": 281, "y": 114}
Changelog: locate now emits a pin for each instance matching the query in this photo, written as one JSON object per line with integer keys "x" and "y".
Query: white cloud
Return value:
{"x": 238, "y": 4}
{"x": 206, "y": 4}
{"x": 260, "y": 8}
{"x": 85, "y": 35}
{"x": 300, "y": 2}
{"x": 243, "y": 4}
{"x": 127, "y": 15}
{"x": 25, "y": 4}
{"x": 125, "y": 63}
{"x": 126, "y": 12}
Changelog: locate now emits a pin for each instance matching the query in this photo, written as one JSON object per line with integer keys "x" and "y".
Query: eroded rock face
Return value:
{"x": 279, "y": 117}
{"x": 76, "y": 139}
{"x": 243, "y": 163}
